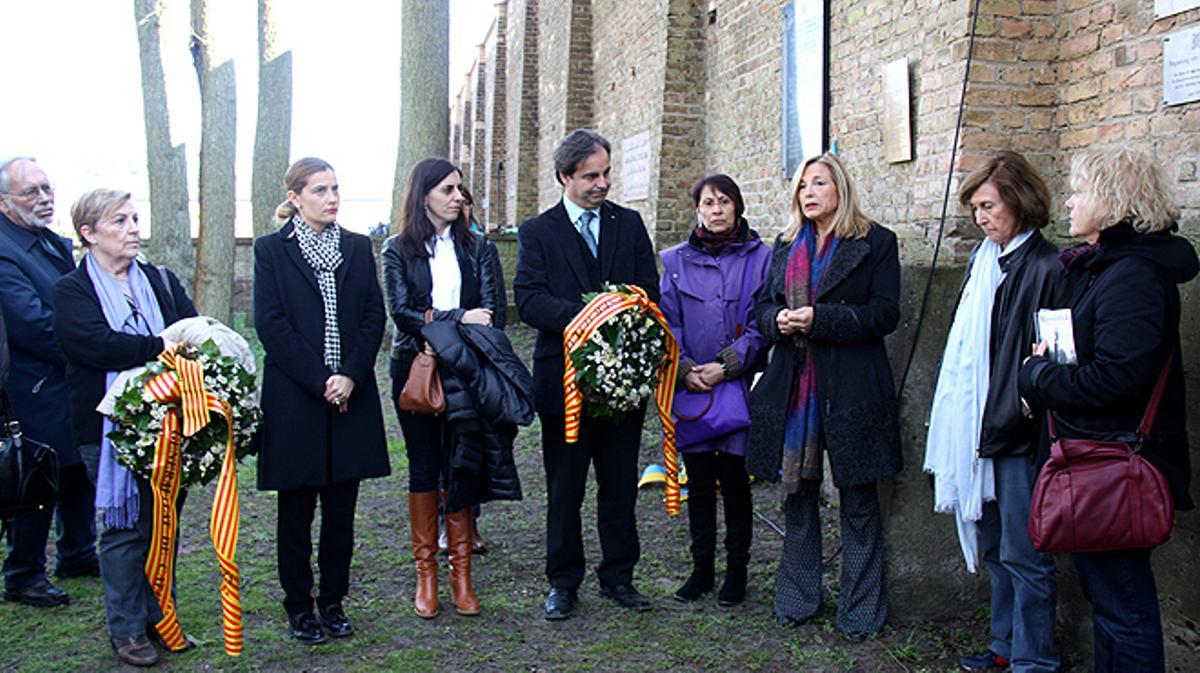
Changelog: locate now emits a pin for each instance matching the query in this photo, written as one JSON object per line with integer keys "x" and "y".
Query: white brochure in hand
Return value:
{"x": 1054, "y": 327}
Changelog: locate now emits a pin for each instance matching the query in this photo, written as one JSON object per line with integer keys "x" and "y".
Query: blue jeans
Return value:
{"x": 1126, "y": 624}
{"x": 1023, "y": 585}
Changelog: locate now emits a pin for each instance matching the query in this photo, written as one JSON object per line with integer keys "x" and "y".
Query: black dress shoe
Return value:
{"x": 335, "y": 621}
{"x": 86, "y": 570}
{"x": 789, "y": 622}
{"x": 626, "y": 596}
{"x": 306, "y": 628}
{"x": 561, "y": 603}
{"x": 41, "y": 594}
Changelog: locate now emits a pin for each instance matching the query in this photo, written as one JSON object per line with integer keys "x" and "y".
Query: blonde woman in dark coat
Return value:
{"x": 319, "y": 313}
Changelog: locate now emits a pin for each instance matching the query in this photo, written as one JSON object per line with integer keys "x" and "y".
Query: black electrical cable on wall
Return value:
{"x": 937, "y": 246}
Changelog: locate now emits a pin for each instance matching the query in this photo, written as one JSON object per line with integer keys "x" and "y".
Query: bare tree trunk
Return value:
{"x": 218, "y": 133}
{"x": 273, "y": 130}
{"x": 170, "y": 241}
{"x": 424, "y": 88}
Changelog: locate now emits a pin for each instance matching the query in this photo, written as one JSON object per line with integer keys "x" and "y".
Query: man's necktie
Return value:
{"x": 585, "y": 230}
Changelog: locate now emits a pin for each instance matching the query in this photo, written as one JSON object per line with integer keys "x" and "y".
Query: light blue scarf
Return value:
{"x": 963, "y": 481}
{"x": 116, "y": 490}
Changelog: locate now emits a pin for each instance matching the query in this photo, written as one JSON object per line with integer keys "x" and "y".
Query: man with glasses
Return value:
{"x": 32, "y": 259}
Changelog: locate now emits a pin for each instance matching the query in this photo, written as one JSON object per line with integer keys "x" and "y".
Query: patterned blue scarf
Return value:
{"x": 806, "y": 268}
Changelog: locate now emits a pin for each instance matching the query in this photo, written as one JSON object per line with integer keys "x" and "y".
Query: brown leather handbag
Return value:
{"x": 422, "y": 393}
{"x": 1095, "y": 495}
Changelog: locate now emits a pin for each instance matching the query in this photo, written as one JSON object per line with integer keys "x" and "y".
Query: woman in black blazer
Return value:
{"x": 108, "y": 314}
{"x": 319, "y": 314}
{"x": 832, "y": 295}
{"x": 435, "y": 268}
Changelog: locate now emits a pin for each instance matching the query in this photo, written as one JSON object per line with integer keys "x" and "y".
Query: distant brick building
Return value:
{"x": 704, "y": 79}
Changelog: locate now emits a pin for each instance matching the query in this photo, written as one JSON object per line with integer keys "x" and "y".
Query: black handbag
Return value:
{"x": 28, "y": 468}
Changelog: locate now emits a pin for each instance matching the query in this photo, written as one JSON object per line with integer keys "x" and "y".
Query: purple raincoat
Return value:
{"x": 711, "y": 316}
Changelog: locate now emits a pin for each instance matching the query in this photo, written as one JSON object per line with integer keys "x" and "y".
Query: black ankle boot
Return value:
{"x": 700, "y": 583}
{"x": 733, "y": 589}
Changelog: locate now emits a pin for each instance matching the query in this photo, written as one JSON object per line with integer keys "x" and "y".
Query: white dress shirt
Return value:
{"x": 443, "y": 267}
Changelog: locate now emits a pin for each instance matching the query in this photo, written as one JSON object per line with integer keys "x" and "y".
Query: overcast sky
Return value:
{"x": 73, "y": 91}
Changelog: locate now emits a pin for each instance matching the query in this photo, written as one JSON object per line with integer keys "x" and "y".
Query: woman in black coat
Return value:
{"x": 108, "y": 314}
{"x": 436, "y": 269}
{"x": 319, "y": 313}
{"x": 832, "y": 294}
{"x": 1122, "y": 284}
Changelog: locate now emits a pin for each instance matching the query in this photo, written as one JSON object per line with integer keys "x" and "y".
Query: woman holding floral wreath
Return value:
{"x": 319, "y": 313}
{"x": 108, "y": 314}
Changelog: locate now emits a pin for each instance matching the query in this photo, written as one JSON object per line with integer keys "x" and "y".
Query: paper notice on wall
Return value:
{"x": 635, "y": 167}
{"x": 1164, "y": 8}
{"x": 1181, "y": 67}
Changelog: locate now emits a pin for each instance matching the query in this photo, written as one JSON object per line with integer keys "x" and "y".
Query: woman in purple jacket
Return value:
{"x": 709, "y": 289}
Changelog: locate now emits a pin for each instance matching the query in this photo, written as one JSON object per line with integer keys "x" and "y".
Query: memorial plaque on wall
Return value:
{"x": 897, "y": 123}
{"x": 635, "y": 167}
{"x": 1165, "y": 8}
{"x": 805, "y": 68}
{"x": 1181, "y": 67}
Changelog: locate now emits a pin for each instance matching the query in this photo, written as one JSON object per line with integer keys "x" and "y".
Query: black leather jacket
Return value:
{"x": 1031, "y": 281}
{"x": 408, "y": 284}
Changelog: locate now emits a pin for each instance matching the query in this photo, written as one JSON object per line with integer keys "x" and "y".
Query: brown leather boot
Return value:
{"x": 423, "y": 522}
{"x": 458, "y": 530}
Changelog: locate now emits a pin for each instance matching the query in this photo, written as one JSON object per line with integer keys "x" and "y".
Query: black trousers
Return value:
{"x": 705, "y": 470}
{"x": 294, "y": 544}
{"x": 75, "y": 518}
{"x": 613, "y": 448}
{"x": 427, "y": 443}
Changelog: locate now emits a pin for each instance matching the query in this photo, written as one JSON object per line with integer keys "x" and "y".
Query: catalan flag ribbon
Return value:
{"x": 183, "y": 383}
{"x": 601, "y": 309}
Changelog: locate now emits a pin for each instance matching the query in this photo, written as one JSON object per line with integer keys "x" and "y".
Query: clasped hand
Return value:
{"x": 337, "y": 390}
{"x": 477, "y": 316}
{"x": 702, "y": 378}
{"x": 793, "y": 320}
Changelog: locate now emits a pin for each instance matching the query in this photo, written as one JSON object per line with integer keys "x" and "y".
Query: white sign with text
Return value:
{"x": 1181, "y": 67}
{"x": 635, "y": 167}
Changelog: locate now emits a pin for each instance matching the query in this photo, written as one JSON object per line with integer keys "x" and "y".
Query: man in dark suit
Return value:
{"x": 32, "y": 259}
{"x": 563, "y": 253}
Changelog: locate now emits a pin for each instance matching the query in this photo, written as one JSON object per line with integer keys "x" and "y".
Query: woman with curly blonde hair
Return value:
{"x": 1124, "y": 299}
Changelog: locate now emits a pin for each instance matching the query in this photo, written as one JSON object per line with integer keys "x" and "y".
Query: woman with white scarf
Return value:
{"x": 319, "y": 313}
{"x": 109, "y": 313}
{"x": 981, "y": 447}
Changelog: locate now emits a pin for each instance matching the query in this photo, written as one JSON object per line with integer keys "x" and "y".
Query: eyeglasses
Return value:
{"x": 32, "y": 192}
{"x": 135, "y": 322}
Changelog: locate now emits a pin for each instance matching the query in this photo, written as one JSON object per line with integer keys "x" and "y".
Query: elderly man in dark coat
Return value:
{"x": 32, "y": 259}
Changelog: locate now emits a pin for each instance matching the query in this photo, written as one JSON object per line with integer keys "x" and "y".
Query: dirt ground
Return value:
{"x": 511, "y": 634}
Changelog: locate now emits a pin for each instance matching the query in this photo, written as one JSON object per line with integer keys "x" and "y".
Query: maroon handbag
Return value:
{"x": 1094, "y": 495}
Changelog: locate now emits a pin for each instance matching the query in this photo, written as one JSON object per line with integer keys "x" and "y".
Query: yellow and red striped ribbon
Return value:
{"x": 160, "y": 562}
{"x": 183, "y": 382}
{"x": 595, "y": 314}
